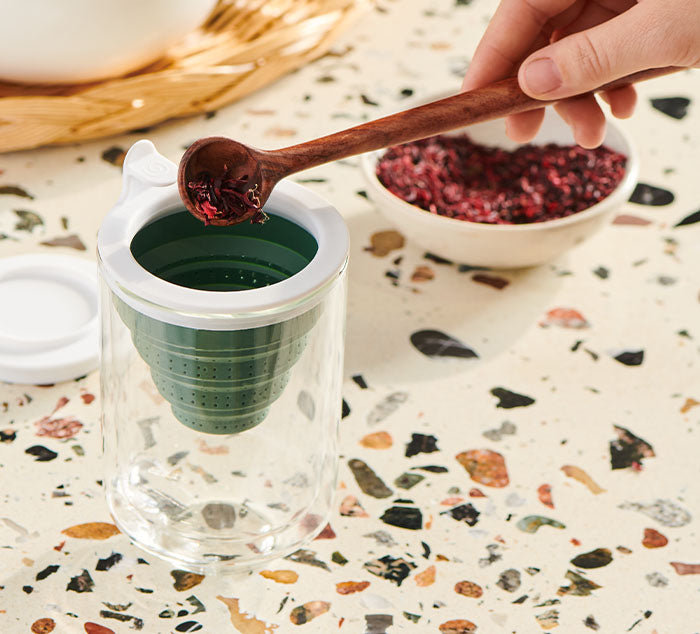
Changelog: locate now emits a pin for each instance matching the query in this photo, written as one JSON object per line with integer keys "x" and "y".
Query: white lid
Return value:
{"x": 48, "y": 319}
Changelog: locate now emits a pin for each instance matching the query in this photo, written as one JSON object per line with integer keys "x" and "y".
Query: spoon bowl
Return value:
{"x": 215, "y": 156}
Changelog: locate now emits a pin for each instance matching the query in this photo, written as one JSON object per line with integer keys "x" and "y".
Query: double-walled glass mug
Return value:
{"x": 221, "y": 369}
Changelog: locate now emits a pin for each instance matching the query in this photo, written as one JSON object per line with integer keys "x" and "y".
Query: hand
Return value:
{"x": 562, "y": 48}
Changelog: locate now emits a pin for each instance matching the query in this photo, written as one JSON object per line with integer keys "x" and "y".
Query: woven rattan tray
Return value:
{"x": 244, "y": 45}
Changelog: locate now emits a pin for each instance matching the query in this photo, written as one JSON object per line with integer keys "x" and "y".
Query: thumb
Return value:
{"x": 635, "y": 40}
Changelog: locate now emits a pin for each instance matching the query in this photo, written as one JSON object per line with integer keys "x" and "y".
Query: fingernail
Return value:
{"x": 542, "y": 76}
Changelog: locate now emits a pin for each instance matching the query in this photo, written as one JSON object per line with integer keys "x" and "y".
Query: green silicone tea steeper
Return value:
{"x": 221, "y": 371}
{"x": 217, "y": 353}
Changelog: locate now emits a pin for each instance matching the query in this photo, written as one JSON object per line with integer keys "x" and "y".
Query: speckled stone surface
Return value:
{"x": 543, "y": 475}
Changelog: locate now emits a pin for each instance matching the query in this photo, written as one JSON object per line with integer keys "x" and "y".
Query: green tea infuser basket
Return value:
{"x": 219, "y": 314}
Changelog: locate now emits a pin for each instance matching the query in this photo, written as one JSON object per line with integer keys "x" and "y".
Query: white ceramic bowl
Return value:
{"x": 504, "y": 246}
{"x": 71, "y": 41}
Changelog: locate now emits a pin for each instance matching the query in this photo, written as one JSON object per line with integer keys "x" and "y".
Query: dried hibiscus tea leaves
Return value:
{"x": 453, "y": 176}
{"x": 226, "y": 198}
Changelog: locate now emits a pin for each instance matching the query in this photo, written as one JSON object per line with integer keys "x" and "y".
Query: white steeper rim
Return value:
{"x": 150, "y": 192}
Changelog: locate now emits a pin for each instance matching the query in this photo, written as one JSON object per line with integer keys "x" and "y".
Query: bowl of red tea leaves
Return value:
{"x": 475, "y": 197}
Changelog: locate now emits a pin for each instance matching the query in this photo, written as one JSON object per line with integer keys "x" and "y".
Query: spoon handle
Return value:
{"x": 496, "y": 100}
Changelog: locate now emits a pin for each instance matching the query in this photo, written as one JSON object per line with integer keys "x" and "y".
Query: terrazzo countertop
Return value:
{"x": 535, "y": 469}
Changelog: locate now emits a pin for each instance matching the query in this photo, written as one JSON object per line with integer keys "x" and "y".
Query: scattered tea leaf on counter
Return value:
{"x": 108, "y": 562}
{"x": 304, "y": 556}
{"x": 421, "y": 443}
{"x": 114, "y": 155}
{"x": 384, "y": 242}
{"x": 564, "y": 318}
{"x": 579, "y": 474}
{"x": 280, "y": 576}
{"x": 509, "y": 580}
{"x": 685, "y": 569}
{"x": 628, "y": 450}
{"x": 548, "y": 620}
{"x": 351, "y": 587}
{"x": 377, "y": 440}
{"x": 689, "y": 220}
{"x": 395, "y": 569}
{"x": 426, "y": 577}
{"x": 326, "y": 533}
{"x": 495, "y": 281}
{"x": 663, "y": 511}
{"x": 15, "y": 190}
{"x": 81, "y": 583}
{"x": 404, "y": 517}
{"x": 433, "y": 343}
{"x": 350, "y": 507}
{"x": 49, "y": 570}
{"x": 360, "y": 381}
{"x": 337, "y": 558}
{"x": 378, "y": 623}
{"x": 509, "y": 400}
{"x": 630, "y": 357}
{"x": 457, "y": 626}
{"x": 368, "y": 480}
{"x": 651, "y": 195}
{"x": 387, "y": 406}
{"x": 530, "y": 523}
{"x": 601, "y": 272}
{"x": 469, "y": 589}
{"x": 184, "y": 580}
{"x": 422, "y": 274}
{"x": 485, "y": 466}
{"x": 408, "y": 480}
{"x": 675, "y": 107}
{"x": 432, "y": 468}
{"x": 366, "y": 100}
{"x": 506, "y": 429}
{"x": 627, "y": 219}
{"x": 44, "y": 626}
{"x": 91, "y": 530}
{"x": 654, "y": 539}
{"x": 594, "y": 559}
{"x": 544, "y": 494}
{"x": 72, "y": 241}
{"x": 41, "y": 453}
{"x": 27, "y": 220}
{"x": 464, "y": 513}
{"x": 579, "y": 586}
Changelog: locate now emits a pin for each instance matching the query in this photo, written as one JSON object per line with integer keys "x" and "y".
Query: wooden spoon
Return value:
{"x": 263, "y": 169}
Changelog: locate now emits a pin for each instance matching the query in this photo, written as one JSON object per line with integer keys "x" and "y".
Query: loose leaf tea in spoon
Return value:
{"x": 225, "y": 198}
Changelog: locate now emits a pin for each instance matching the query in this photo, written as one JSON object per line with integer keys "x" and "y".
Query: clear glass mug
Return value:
{"x": 221, "y": 371}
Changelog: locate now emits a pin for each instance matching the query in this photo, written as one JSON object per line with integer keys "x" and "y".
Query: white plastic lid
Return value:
{"x": 48, "y": 318}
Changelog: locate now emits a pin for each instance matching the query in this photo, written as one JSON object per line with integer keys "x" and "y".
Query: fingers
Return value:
{"x": 522, "y": 127}
{"x": 515, "y": 30}
{"x": 592, "y": 14}
{"x": 621, "y": 101}
{"x": 583, "y": 114}
{"x": 637, "y": 39}
{"x": 586, "y": 119}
